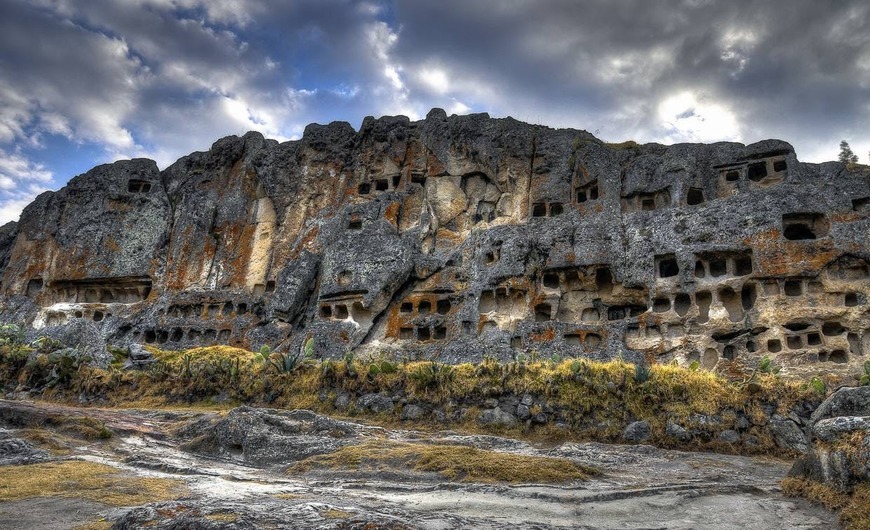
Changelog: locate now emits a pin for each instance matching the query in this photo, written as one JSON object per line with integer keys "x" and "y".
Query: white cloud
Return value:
{"x": 687, "y": 118}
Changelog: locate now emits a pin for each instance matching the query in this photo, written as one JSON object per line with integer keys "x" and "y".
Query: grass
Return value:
{"x": 95, "y": 525}
{"x": 854, "y": 509}
{"x": 596, "y": 400}
{"x": 451, "y": 462}
{"x": 86, "y": 480}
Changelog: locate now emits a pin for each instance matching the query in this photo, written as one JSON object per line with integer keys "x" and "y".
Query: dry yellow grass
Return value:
{"x": 453, "y": 462}
{"x": 855, "y": 508}
{"x": 86, "y": 480}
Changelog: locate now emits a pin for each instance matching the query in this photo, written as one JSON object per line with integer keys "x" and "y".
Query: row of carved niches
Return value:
{"x": 120, "y": 290}
{"x": 176, "y": 336}
{"x": 207, "y": 311}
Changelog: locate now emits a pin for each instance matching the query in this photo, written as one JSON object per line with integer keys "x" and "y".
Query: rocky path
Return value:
{"x": 236, "y": 469}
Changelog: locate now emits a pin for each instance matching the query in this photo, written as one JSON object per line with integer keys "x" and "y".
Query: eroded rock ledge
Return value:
{"x": 456, "y": 238}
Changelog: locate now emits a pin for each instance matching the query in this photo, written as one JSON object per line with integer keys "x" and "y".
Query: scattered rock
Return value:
{"x": 376, "y": 403}
{"x": 729, "y": 436}
{"x": 677, "y": 432}
{"x": 497, "y": 417}
{"x": 412, "y": 412}
{"x": 788, "y": 434}
{"x": 831, "y": 429}
{"x": 636, "y": 432}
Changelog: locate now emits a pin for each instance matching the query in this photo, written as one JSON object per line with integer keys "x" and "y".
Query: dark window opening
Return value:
{"x": 138, "y": 186}
{"x": 162, "y": 336}
{"x": 668, "y": 267}
{"x": 682, "y": 303}
{"x": 748, "y": 296}
{"x": 382, "y": 185}
{"x": 592, "y": 340}
{"x": 177, "y": 335}
{"x": 356, "y": 224}
{"x": 443, "y": 307}
{"x": 839, "y": 356}
{"x": 703, "y": 299}
{"x": 695, "y": 196}
{"x": 757, "y": 171}
{"x": 751, "y": 346}
{"x": 341, "y": 312}
{"x": 700, "y": 270}
{"x": 774, "y": 346}
{"x": 228, "y": 309}
{"x": 799, "y": 232}
{"x": 489, "y": 258}
{"x": 593, "y": 193}
{"x": 34, "y": 286}
{"x": 539, "y": 209}
{"x": 150, "y": 336}
{"x": 794, "y": 342}
{"x": 224, "y": 335}
{"x": 648, "y": 204}
{"x": 364, "y": 189}
{"x": 732, "y": 176}
{"x": 98, "y": 316}
{"x": 779, "y": 165}
{"x": 270, "y": 286}
{"x": 603, "y": 280}
{"x": 860, "y": 204}
{"x": 851, "y": 299}
{"x": 418, "y": 178}
{"x": 831, "y": 329}
{"x": 396, "y": 180}
{"x": 814, "y": 339}
{"x": 406, "y": 333}
{"x": 796, "y": 326}
{"x": 729, "y": 353}
{"x": 325, "y": 311}
{"x": 551, "y": 280}
{"x": 718, "y": 267}
{"x": 423, "y": 334}
{"x": 406, "y": 307}
{"x": 804, "y": 226}
{"x": 209, "y": 335}
{"x": 516, "y": 342}
{"x": 661, "y": 305}
{"x": 424, "y": 307}
{"x": 573, "y": 339}
{"x": 556, "y": 209}
{"x": 440, "y": 333}
{"x": 793, "y": 288}
{"x": 581, "y": 196}
{"x": 743, "y": 266}
{"x": 242, "y": 309}
{"x": 543, "y": 312}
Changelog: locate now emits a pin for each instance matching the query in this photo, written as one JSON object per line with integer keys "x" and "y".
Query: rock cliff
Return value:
{"x": 456, "y": 238}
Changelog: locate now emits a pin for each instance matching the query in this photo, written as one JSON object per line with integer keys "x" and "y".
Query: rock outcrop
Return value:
{"x": 456, "y": 238}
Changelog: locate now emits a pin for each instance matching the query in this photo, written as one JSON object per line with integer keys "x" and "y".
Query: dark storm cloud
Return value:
{"x": 160, "y": 78}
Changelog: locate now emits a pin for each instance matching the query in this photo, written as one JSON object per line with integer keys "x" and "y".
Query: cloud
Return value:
{"x": 162, "y": 78}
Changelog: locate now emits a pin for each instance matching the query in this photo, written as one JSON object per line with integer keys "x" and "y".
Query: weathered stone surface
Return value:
{"x": 787, "y": 434}
{"x": 458, "y": 237}
{"x": 263, "y": 437}
{"x": 636, "y": 432}
{"x": 497, "y": 417}
{"x": 832, "y": 429}
{"x": 376, "y": 403}
{"x": 846, "y": 401}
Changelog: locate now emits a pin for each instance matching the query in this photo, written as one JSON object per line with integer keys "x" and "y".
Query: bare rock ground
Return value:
{"x": 236, "y": 467}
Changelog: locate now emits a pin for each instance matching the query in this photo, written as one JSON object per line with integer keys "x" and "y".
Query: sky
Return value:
{"x": 93, "y": 81}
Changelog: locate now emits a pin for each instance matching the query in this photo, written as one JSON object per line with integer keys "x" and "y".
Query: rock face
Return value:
{"x": 458, "y": 237}
{"x": 840, "y": 430}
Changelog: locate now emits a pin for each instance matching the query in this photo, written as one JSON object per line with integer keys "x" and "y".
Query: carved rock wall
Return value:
{"x": 458, "y": 237}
